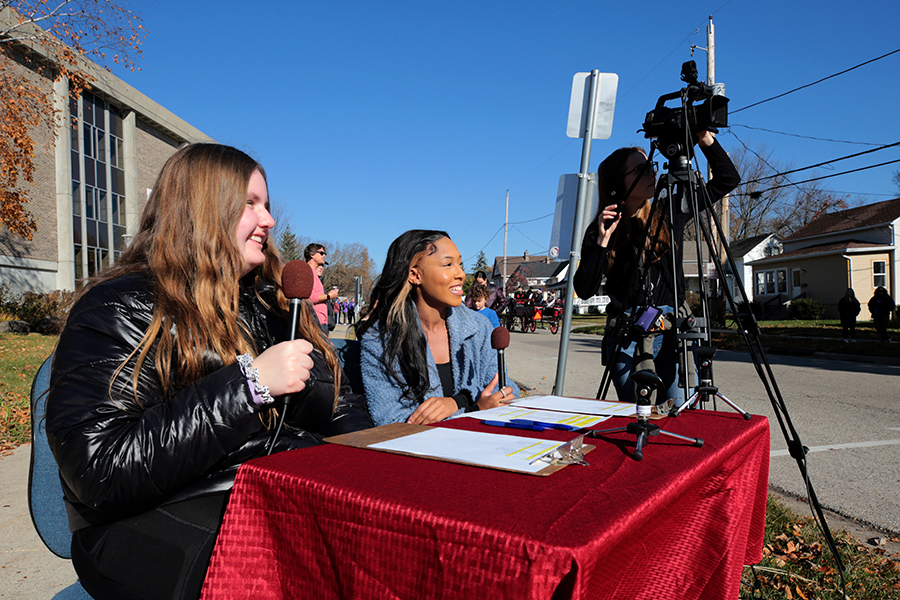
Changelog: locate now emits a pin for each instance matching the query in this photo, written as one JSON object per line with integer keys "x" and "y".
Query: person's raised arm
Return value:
{"x": 725, "y": 176}
{"x": 589, "y": 274}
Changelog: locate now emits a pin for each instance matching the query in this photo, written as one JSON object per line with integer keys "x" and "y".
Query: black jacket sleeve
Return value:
{"x": 589, "y": 274}
{"x": 725, "y": 176}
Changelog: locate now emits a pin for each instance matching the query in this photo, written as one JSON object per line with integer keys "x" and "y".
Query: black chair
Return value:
{"x": 45, "y": 493}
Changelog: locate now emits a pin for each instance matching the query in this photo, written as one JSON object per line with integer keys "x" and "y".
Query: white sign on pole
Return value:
{"x": 605, "y": 103}
{"x": 564, "y": 215}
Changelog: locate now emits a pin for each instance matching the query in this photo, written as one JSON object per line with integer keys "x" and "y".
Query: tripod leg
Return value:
{"x": 695, "y": 441}
{"x": 638, "y": 449}
{"x": 692, "y": 401}
{"x": 744, "y": 413}
{"x": 596, "y": 432}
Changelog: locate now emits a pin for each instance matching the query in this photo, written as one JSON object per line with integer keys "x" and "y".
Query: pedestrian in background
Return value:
{"x": 315, "y": 254}
{"x": 880, "y": 306}
{"x": 848, "y": 308}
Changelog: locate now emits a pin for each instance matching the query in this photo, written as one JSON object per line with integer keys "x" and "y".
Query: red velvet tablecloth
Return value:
{"x": 341, "y": 522}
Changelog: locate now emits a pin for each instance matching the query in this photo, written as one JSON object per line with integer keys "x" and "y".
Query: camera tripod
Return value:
{"x": 645, "y": 382}
{"x": 671, "y": 132}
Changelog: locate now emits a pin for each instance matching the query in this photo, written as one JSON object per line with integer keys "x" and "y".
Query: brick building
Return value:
{"x": 91, "y": 180}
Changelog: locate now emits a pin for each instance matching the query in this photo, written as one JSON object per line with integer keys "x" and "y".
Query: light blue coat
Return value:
{"x": 473, "y": 361}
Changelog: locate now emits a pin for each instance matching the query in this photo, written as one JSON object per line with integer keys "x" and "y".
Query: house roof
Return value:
{"x": 540, "y": 270}
{"x": 821, "y": 249}
{"x": 741, "y": 247}
{"x": 852, "y": 218}
{"x": 512, "y": 262}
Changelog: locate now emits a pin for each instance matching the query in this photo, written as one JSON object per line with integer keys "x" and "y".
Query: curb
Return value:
{"x": 882, "y": 360}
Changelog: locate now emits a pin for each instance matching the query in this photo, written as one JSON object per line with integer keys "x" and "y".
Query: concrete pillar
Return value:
{"x": 65, "y": 270}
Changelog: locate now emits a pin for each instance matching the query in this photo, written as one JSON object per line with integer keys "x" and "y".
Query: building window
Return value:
{"x": 879, "y": 273}
{"x": 769, "y": 283}
{"x": 98, "y": 184}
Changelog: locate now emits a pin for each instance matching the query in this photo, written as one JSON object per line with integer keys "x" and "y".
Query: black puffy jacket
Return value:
{"x": 119, "y": 457}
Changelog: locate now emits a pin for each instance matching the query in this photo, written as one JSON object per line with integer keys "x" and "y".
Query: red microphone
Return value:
{"x": 297, "y": 283}
{"x": 500, "y": 342}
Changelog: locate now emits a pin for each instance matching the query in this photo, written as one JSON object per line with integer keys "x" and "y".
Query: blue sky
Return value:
{"x": 372, "y": 118}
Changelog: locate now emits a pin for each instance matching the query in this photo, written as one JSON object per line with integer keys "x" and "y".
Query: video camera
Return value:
{"x": 668, "y": 124}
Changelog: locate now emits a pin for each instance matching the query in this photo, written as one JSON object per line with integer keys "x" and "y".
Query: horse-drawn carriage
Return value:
{"x": 525, "y": 314}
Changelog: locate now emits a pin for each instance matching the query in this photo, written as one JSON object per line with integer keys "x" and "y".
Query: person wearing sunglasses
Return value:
{"x": 315, "y": 254}
{"x": 615, "y": 241}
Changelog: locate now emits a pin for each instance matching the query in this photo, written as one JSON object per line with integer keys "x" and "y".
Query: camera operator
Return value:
{"x": 611, "y": 248}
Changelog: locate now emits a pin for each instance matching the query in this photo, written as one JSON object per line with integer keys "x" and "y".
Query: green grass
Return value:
{"x": 795, "y": 562}
{"x": 795, "y": 338}
{"x": 20, "y": 357}
{"x": 806, "y": 337}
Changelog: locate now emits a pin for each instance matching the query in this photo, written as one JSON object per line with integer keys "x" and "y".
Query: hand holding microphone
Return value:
{"x": 285, "y": 367}
{"x": 297, "y": 283}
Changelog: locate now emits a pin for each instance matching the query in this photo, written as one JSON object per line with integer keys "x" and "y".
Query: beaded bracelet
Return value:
{"x": 261, "y": 393}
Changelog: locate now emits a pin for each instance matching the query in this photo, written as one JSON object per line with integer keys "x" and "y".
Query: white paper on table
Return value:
{"x": 510, "y": 412}
{"x": 577, "y": 405}
{"x": 501, "y": 451}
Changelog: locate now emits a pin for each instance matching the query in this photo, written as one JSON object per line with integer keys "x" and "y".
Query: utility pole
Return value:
{"x": 711, "y": 74}
{"x": 505, "y": 236}
{"x": 711, "y": 80}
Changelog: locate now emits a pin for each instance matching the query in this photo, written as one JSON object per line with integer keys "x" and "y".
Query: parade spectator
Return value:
{"x": 315, "y": 254}
{"x": 496, "y": 301}
{"x": 848, "y": 309}
{"x": 880, "y": 306}
{"x": 479, "y": 294}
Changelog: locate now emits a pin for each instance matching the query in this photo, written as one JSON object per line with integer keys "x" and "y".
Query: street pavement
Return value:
{"x": 847, "y": 413}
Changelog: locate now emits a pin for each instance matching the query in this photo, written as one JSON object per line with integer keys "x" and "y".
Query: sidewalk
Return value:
{"x": 28, "y": 570}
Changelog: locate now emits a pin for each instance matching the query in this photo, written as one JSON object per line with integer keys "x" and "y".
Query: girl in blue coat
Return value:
{"x": 425, "y": 356}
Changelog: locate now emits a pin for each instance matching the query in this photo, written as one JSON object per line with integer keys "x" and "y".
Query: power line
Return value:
{"x": 827, "y": 162}
{"x": 815, "y": 82}
{"x": 805, "y": 137}
{"x": 485, "y": 244}
{"x": 532, "y": 220}
{"x": 540, "y": 245}
{"x": 813, "y": 193}
{"x": 890, "y": 162}
{"x": 516, "y": 228}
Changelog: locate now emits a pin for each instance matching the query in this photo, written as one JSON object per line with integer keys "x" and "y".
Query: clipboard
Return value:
{"x": 366, "y": 437}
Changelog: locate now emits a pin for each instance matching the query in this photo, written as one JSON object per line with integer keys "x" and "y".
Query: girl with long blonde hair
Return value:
{"x": 167, "y": 375}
